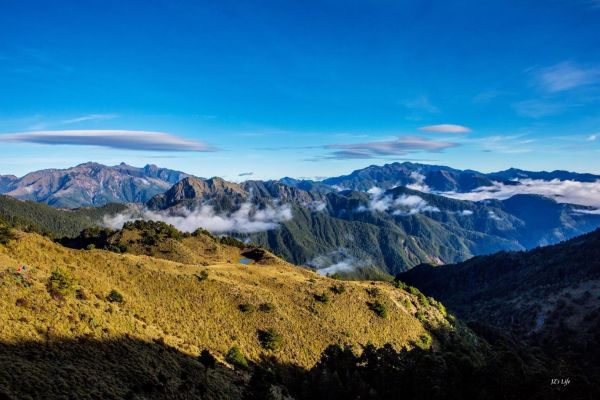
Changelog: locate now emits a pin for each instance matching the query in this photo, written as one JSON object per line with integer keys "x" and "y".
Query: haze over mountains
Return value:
{"x": 389, "y": 217}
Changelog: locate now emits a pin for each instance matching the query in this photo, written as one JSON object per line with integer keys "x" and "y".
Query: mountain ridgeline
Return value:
{"x": 388, "y": 218}
{"x": 392, "y": 230}
{"x": 91, "y": 184}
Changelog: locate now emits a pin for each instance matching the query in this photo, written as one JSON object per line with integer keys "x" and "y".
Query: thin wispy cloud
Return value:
{"x": 445, "y": 128}
{"x": 398, "y": 147}
{"x": 537, "y": 108}
{"x": 421, "y": 103}
{"x": 419, "y": 107}
{"x": 90, "y": 117}
{"x": 115, "y": 139}
{"x": 487, "y": 96}
{"x": 502, "y": 144}
{"x": 32, "y": 62}
{"x": 566, "y": 76}
{"x": 246, "y": 174}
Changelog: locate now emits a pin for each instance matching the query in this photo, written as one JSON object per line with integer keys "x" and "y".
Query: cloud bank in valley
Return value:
{"x": 339, "y": 260}
{"x": 402, "y": 205}
{"x": 580, "y": 193}
{"x": 247, "y": 219}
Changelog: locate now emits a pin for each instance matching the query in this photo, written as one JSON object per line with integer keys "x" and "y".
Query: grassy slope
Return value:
{"x": 165, "y": 302}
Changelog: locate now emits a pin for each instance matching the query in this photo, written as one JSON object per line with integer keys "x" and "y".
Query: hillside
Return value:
{"x": 42, "y": 218}
{"x": 160, "y": 240}
{"x": 191, "y": 307}
{"x": 548, "y": 296}
{"x": 96, "y": 323}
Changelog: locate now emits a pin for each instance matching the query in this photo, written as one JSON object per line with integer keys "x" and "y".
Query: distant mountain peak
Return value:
{"x": 91, "y": 184}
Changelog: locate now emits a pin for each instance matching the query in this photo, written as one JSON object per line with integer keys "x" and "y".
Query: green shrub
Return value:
{"x": 378, "y": 308}
{"x": 90, "y": 246}
{"x": 266, "y": 307}
{"x": 322, "y": 298}
{"x": 270, "y": 339}
{"x": 373, "y": 291}
{"x": 115, "y": 297}
{"x": 6, "y": 234}
{"x": 423, "y": 299}
{"x": 235, "y": 357}
{"x": 413, "y": 290}
{"x": 439, "y": 306}
{"x": 338, "y": 289}
{"x": 401, "y": 285}
{"x": 207, "y": 359}
{"x": 424, "y": 341}
{"x": 202, "y": 275}
{"x": 61, "y": 284}
{"x": 246, "y": 308}
{"x": 230, "y": 241}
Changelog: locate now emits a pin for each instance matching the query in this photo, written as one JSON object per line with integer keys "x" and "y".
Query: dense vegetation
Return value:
{"x": 56, "y": 223}
{"x": 548, "y": 297}
{"x": 395, "y": 243}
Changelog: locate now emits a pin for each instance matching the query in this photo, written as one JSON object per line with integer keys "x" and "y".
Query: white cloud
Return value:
{"x": 247, "y": 219}
{"x": 494, "y": 216}
{"x": 581, "y": 193}
{"x": 336, "y": 261}
{"x": 402, "y": 205}
{"x": 592, "y": 138}
{"x": 465, "y": 213}
{"x": 421, "y": 103}
{"x": 116, "y": 139}
{"x": 315, "y": 205}
{"x": 566, "y": 76}
{"x": 342, "y": 266}
{"x": 445, "y": 128}
{"x": 400, "y": 146}
{"x": 90, "y": 117}
{"x": 412, "y": 204}
{"x": 419, "y": 182}
{"x": 537, "y": 108}
{"x": 590, "y": 212}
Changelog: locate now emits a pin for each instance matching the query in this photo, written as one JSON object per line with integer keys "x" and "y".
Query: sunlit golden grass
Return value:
{"x": 165, "y": 301}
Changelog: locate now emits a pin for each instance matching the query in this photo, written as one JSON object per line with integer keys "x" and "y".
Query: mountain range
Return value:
{"x": 166, "y": 313}
{"x": 393, "y": 230}
{"x": 389, "y": 218}
{"x": 91, "y": 184}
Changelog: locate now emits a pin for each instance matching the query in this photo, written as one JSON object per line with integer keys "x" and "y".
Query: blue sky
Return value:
{"x": 300, "y": 88}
